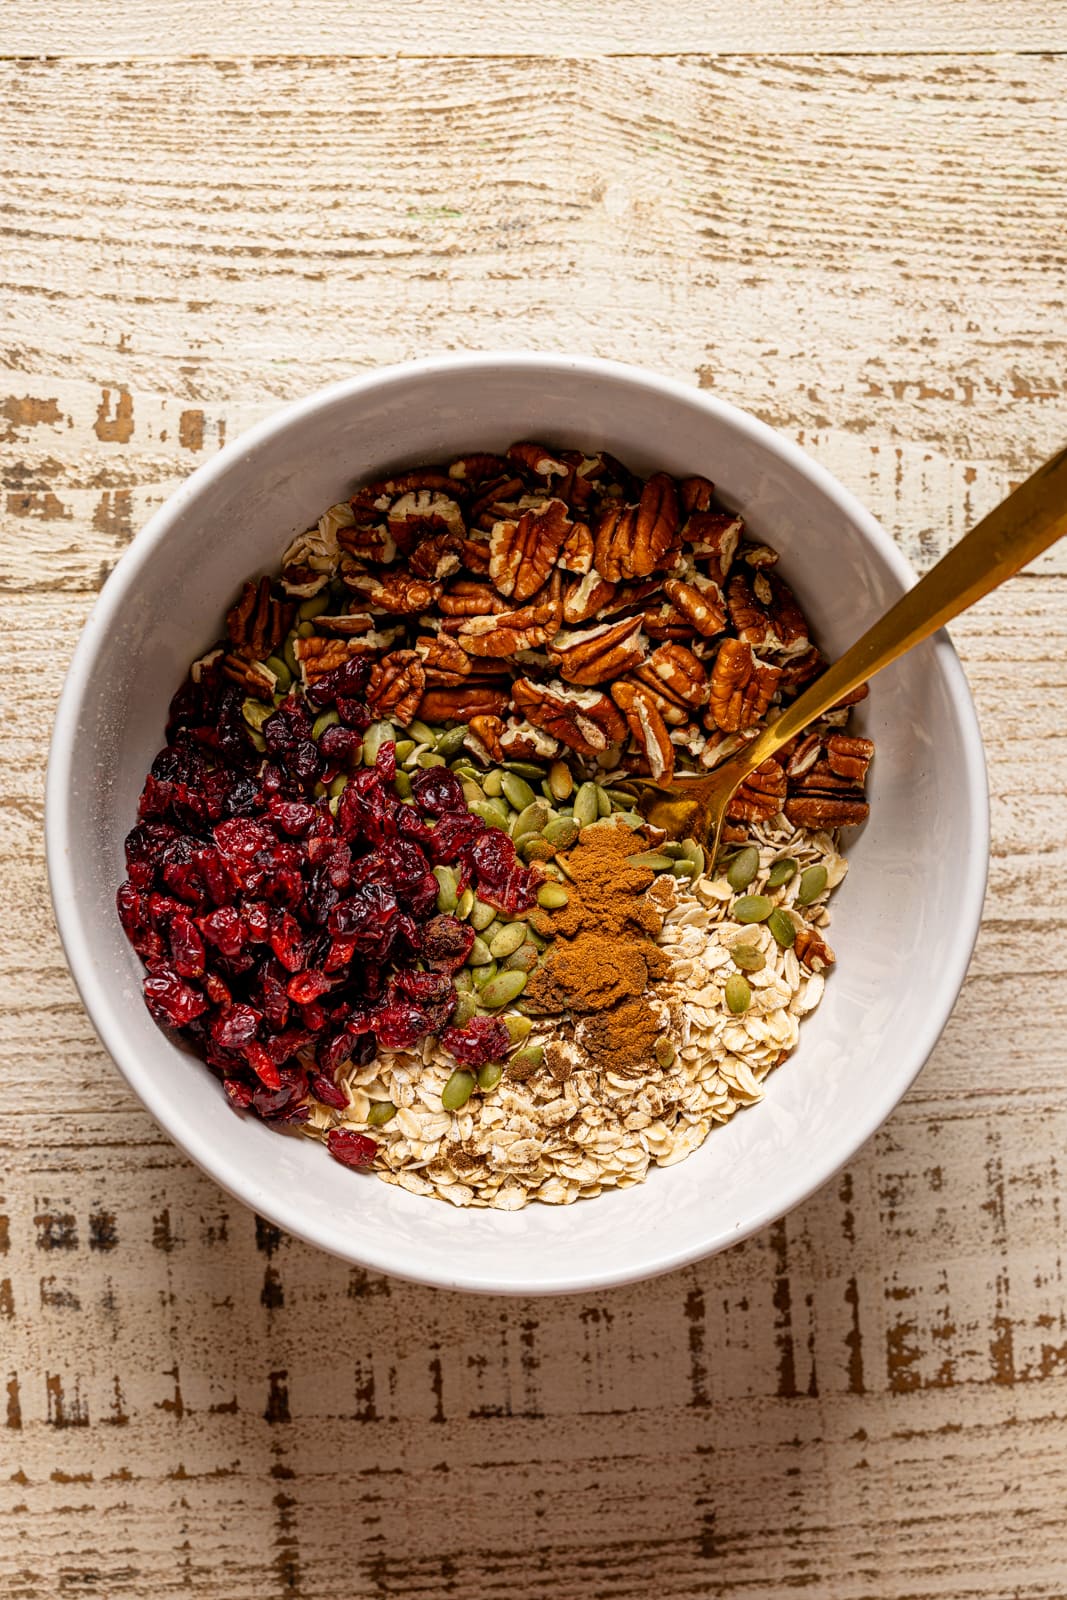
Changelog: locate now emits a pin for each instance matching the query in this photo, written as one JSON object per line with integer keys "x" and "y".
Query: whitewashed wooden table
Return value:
{"x": 846, "y": 216}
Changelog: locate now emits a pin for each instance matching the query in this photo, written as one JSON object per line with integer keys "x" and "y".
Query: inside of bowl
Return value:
{"x": 903, "y": 922}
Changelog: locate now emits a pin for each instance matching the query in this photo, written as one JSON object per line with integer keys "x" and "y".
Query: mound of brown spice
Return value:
{"x": 604, "y": 953}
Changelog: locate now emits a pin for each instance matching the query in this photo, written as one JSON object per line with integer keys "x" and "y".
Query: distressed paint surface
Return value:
{"x": 869, "y": 1398}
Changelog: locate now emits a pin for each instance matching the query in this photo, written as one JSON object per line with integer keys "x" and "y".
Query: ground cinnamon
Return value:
{"x": 604, "y": 953}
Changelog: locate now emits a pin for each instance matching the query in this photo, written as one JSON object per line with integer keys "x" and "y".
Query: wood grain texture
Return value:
{"x": 436, "y": 28}
{"x": 868, "y": 1400}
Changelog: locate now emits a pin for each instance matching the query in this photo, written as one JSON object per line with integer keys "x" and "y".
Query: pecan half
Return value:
{"x": 696, "y": 494}
{"x": 849, "y": 757}
{"x": 826, "y": 811}
{"x": 368, "y": 541}
{"x": 676, "y": 672}
{"x": 536, "y": 459}
{"x": 675, "y": 715}
{"x": 765, "y": 614}
{"x": 666, "y": 622}
{"x": 479, "y": 468}
{"x": 597, "y": 654}
{"x": 487, "y": 731}
{"x": 761, "y": 796}
{"x": 258, "y": 623}
{"x": 585, "y": 597}
{"x": 577, "y": 553}
{"x": 396, "y": 685}
{"x": 812, "y": 951}
{"x": 462, "y": 703}
{"x": 401, "y": 593}
{"x": 521, "y": 741}
{"x": 437, "y": 557}
{"x": 443, "y": 652}
{"x": 510, "y": 631}
{"x": 632, "y": 541}
{"x": 583, "y": 719}
{"x": 423, "y": 513}
{"x": 699, "y": 600}
{"x": 741, "y": 686}
{"x": 523, "y": 553}
{"x": 468, "y": 598}
{"x": 346, "y": 622}
{"x": 647, "y": 727}
{"x": 713, "y": 537}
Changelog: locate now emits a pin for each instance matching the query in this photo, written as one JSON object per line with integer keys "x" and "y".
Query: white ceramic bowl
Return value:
{"x": 904, "y": 922}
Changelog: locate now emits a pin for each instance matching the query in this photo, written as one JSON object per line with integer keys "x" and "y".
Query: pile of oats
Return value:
{"x": 568, "y": 1130}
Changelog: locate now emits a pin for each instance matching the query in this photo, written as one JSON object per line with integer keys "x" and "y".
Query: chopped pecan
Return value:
{"x": 758, "y": 555}
{"x": 258, "y": 623}
{"x": 597, "y": 654}
{"x": 666, "y": 622}
{"x": 585, "y": 597}
{"x": 675, "y": 715}
{"x": 810, "y": 810}
{"x": 396, "y": 686}
{"x": 401, "y": 593}
{"x": 494, "y": 501}
{"x": 536, "y": 459}
{"x": 438, "y": 556}
{"x": 467, "y": 598}
{"x": 761, "y": 796}
{"x": 632, "y": 541}
{"x": 347, "y": 622}
{"x": 713, "y": 537}
{"x": 749, "y": 619}
{"x": 521, "y": 741}
{"x": 699, "y": 601}
{"x": 462, "y": 703}
{"x": 479, "y": 468}
{"x": 422, "y": 514}
{"x": 368, "y": 541}
{"x": 812, "y": 951}
{"x": 765, "y": 614}
{"x": 583, "y": 719}
{"x": 522, "y": 553}
{"x": 487, "y": 731}
{"x": 849, "y": 757}
{"x": 696, "y": 494}
{"x": 442, "y": 651}
{"x": 675, "y": 671}
{"x": 577, "y": 552}
{"x": 741, "y": 686}
{"x": 647, "y": 727}
{"x": 251, "y": 676}
{"x": 511, "y": 631}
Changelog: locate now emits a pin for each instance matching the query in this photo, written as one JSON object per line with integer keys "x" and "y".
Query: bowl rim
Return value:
{"x": 105, "y": 1015}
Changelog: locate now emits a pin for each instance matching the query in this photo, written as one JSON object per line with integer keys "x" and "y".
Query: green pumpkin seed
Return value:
{"x": 258, "y": 741}
{"x": 507, "y": 938}
{"x": 743, "y": 868}
{"x": 684, "y": 869}
{"x": 381, "y": 1112}
{"x": 603, "y": 802}
{"x": 482, "y": 916}
{"x": 752, "y": 908}
{"x": 534, "y": 848}
{"x": 377, "y": 734}
{"x": 450, "y": 743}
{"x": 465, "y": 905}
{"x": 519, "y": 1028}
{"x": 472, "y": 791}
{"x": 464, "y": 769}
{"x": 462, "y": 981}
{"x": 283, "y": 677}
{"x": 673, "y": 849}
{"x": 319, "y": 790}
{"x": 812, "y": 883}
{"x": 483, "y": 975}
{"x": 337, "y": 785}
{"x": 560, "y": 780}
{"x": 490, "y": 1075}
{"x": 530, "y": 1056}
{"x": 430, "y": 758}
{"x": 422, "y": 732}
{"x": 561, "y": 832}
{"x": 586, "y": 805}
{"x": 781, "y": 872}
{"x": 517, "y": 791}
{"x": 525, "y": 769}
{"x": 458, "y": 1090}
{"x": 402, "y": 785}
{"x": 738, "y": 993}
{"x": 256, "y": 713}
{"x": 531, "y": 819}
{"x": 695, "y": 853}
{"x": 479, "y": 955}
{"x": 782, "y": 927}
{"x": 493, "y": 812}
{"x": 651, "y": 858}
{"x": 524, "y": 959}
{"x": 665, "y": 1053}
{"x": 305, "y": 630}
{"x": 289, "y": 656}
{"x": 328, "y": 719}
{"x": 447, "y": 888}
{"x": 632, "y": 819}
{"x": 466, "y": 1008}
{"x": 405, "y": 748}
{"x": 503, "y": 989}
{"x": 552, "y": 896}
{"x": 313, "y": 608}
{"x": 623, "y": 798}
{"x": 536, "y": 941}
{"x": 748, "y": 958}
{"x": 493, "y": 783}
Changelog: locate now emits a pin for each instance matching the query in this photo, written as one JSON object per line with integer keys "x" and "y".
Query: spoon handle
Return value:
{"x": 1032, "y": 517}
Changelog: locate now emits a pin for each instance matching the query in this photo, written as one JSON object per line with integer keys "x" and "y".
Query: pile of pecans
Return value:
{"x": 554, "y": 603}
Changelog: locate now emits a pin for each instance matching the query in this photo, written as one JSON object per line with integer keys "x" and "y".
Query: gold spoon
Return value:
{"x": 1032, "y": 517}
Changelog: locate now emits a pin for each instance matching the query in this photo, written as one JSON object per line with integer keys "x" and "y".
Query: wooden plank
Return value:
{"x": 865, "y": 1400}
{"x": 443, "y": 28}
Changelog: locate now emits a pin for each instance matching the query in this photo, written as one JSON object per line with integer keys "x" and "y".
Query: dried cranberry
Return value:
{"x": 224, "y": 929}
{"x": 347, "y": 681}
{"x": 446, "y": 942}
{"x": 235, "y": 1027}
{"x": 454, "y": 838}
{"x": 292, "y": 816}
{"x": 287, "y": 941}
{"x": 502, "y": 879}
{"x": 307, "y": 986}
{"x": 371, "y": 917}
{"x": 482, "y": 1039}
{"x": 351, "y": 1149}
{"x": 186, "y": 947}
{"x": 438, "y": 792}
{"x": 353, "y": 713}
{"x": 340, "y": 745}
{"x": 326, "y": 1090}
{"x": 171, "y": 1000}
{"x": 238, "y": 1093}
{"x": 400, "y": 1025}
{"x": 260, "y": 1061}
